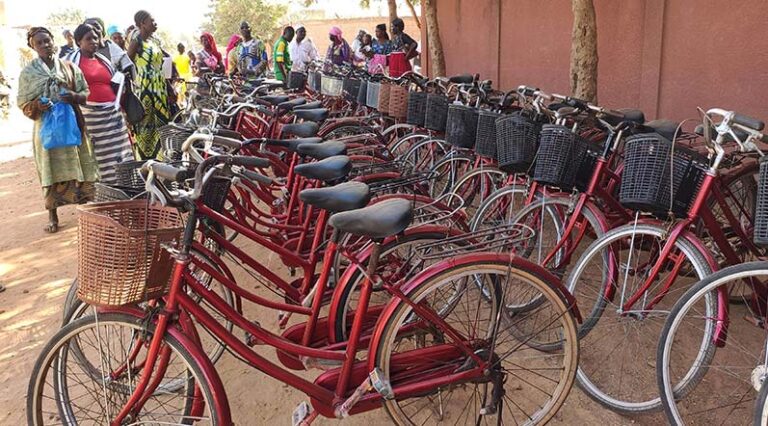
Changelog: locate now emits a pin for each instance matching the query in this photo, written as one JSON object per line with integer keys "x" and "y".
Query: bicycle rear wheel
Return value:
{"x": 760, "y": 416}
{"x": 92, "y": 386}
{"x": 706, "y": 375}
{"x": 524, "y": 385}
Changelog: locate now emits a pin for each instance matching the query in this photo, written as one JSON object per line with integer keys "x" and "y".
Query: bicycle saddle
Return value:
{"x": 302, "y": 130}
{"x": 309, "y": 105}
{"x": 293, "y": 144}
{"x": 290, "y": 105}
{"x": 328, "y": 169}
{"x": 340, "y": 198}
{"x": 665, "y": 128}
{"x": 379, "y": 220}
{"x": 274, "y": 99}
{"x": 633, "y": 115}
{"x": 317, "y": 114}
{"x": 323, "y": 150}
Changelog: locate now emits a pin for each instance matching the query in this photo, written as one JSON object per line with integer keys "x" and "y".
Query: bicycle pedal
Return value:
{"x": 757, "y": 322}
{"x": 303, "y": 415}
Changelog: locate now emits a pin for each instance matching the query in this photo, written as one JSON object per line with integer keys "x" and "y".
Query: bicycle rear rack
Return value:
{"x": 500, "y": 239}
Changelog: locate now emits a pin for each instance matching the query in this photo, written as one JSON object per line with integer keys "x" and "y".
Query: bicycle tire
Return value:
{"x": 760, "y": 416}
{"x": 498, "y": 197}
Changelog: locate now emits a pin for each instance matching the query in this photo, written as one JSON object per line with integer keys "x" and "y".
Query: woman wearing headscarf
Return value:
{"x": 230, "y": 58}
{"x": 210, "y": 57}
{"x": 146, "y": 53}
{"x": 339, "y": 52}
{"x": 103, "y": 119}
{"x": 67, "y": 173}
{"x": 109, "y": 49}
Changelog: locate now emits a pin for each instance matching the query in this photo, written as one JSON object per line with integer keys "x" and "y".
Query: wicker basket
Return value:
{"x": 128, "y": 175}
{"x": 351, "y": 88}
{"x": 436, "y": 112}
{"x": 314, "y": 81}
{"x": 559, "y": 157}
{"x": 362, "y": 93}
{"x": 331, "y": 86}
{"x": 120, "y": 259}
{"x": 398, "y": 102}
{"x": 104, "y": 193}
{"x": 372, "y": 97}
{"x": 383, "y": 106}
{"x": 517, "y": 139}
{"x": 761, "y": 209}
{"x": 461, "y": 126}
{"x": 296, "y": 80}
{"x": 171, "y": 139}
{"x": 485, "y": 138}
{"x": 645, "y": 181}
{"x": 417, "y": 106}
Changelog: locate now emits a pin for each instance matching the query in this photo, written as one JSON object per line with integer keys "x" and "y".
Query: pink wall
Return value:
{"x": 663, "y": 56}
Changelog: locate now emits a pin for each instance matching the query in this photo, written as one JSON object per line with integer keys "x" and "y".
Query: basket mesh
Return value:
{"x": 461, "y": 126}
{"x": 559, "y": 157}
{"x": 351, "y": 88}
{"x": 517, "y": 139}
{"x": 645, "y": 181}
{"x": 417, "y": 105}
{"x": 372, "y": 98}
{"x": 362, "y": 92}
{"x": 330, "y": 86}
{"x": 485, "y": 138}
{"x": 171, "y": 140}
{"x": 104, "y": 193}
{"x": 398, "y": 102}
{"x": 296, "y": 80}
{"x": 120, "y": 259}
{"x": 761, "y": 209}
{"x": 436, "y": 112}
{"x": 215, "y": 193}
{"x": 127, "y": 174}
{"x": 383, "y": 106}
{"x": 314, "y": 79}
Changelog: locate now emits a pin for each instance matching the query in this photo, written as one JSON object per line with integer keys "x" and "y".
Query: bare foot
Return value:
{"x": 51, "y": 228}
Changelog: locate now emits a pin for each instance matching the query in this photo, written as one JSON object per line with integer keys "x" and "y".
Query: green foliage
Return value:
{"x": 66, "y": 18}
{"x": 225, "y": 17}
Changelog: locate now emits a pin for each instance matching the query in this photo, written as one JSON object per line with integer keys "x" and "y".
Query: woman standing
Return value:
{"x": 103, "y": 119}
{"x": 66, "y": 174}
{"x": 146, "y": 53}
{"x": 339, "y": 52}
{"x": 380, "y": 48}
{"x": 230, "y": 58}
{"x": 210, "y": 57}
{"x": 403, "y": 49}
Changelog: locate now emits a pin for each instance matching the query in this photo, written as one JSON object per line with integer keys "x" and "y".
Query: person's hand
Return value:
{"x": 67, "y": 96}
{"x": 44, "y": 106}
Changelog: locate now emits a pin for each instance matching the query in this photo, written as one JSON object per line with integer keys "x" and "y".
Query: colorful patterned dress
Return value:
{"x": 153, "y": 93}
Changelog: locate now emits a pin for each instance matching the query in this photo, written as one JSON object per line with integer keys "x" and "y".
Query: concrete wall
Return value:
{"x": 663, "y": 56}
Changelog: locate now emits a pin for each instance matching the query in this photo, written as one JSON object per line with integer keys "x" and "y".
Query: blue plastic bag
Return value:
{"x": 59, "y": 128}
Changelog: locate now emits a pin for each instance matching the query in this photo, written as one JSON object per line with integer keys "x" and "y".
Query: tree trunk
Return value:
{"x": 436, "y": 57}
{"x": 413, "y": 12}
{"x": 584, "y": 51}
{"x": 392, "y": 4}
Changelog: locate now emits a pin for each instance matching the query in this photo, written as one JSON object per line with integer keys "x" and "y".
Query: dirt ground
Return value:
{"x": 37, "y": 269}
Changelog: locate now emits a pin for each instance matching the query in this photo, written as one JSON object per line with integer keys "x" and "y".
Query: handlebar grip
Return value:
{"x": 169, "y": 173}
{"x": 257, "y": 177}
{"x": 462, "y": 79}
{"x": 527, "y": 90}
{"x": 227, "y": 142}
{"x": 576, "y": 103}
{"x": 248, "y": 161}
{"x": 750, "y": 122}
{"x": 231, "y": 134}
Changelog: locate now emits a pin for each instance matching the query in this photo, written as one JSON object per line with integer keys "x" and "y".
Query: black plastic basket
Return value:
{"x": 171, "y": 139}
{"x": 761, "y": 209}
{"x": 417, "y": 106}
{"x": 351, "y": 88}
{"x": 485, "y": 138}
{"x": 105, "y": 193}
{"x": 559, "y": 157}
{"x": 215, "y": 193}
{"x": 436, "y": 112}
{"x": 587, "y": 166}
{"x": 127, "y": 175}
{"x": 645, "y": 181}
{"x": 517, "y": 139}
{"x": 296, "y": 80}
{"x": 461, "y": 126}
{"x": 362, "y": 92}
{"x": 314, "y": 81}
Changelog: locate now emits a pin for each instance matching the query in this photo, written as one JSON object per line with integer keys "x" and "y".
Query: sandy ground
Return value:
{"x": 37, "y": 268}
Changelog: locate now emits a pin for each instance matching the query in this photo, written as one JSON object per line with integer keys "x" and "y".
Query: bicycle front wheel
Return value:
{"x": 524, "y": 385}
{"x": 712, "y": 365}
{"x": 91, "y": 385}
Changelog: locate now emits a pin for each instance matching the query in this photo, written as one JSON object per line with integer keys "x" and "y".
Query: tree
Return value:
{"x": 65, "y": 18}
{"x": 225, "y": 17}
{"x": 392, "y": 5}
{"x": 584, "y": 51}
{"x": 409, "y": 3}
{"x": 436, "y": 56}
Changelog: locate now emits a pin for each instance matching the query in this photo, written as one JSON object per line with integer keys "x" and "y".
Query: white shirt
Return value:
{"x": 302, "y": 54}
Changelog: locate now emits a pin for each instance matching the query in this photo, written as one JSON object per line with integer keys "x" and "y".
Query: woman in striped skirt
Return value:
{"x": 103, "y": 119}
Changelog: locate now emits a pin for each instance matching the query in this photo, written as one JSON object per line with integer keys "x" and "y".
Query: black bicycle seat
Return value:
{"x": 632, "y": 115}
{"x": 290, "y": 105}
{"x": 379, "y": 220}
{"x": 340, "y": 198}
{"x": 293, "y": 144}
{"x": 274, "y": 99}
{"x": 666, "y": 128}
{"x": 323, "y": 150}
{"x": 309, "y": 105}
{"x": 328, "y": 169}
{"x": 302, "y": 130}
{"x": 316, "y": 115}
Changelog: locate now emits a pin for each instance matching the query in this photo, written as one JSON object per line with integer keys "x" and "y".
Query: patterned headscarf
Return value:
{"x": 231, "y": 45}
{"x": 35, "y": 31}
{"x": 212, "y": 49}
